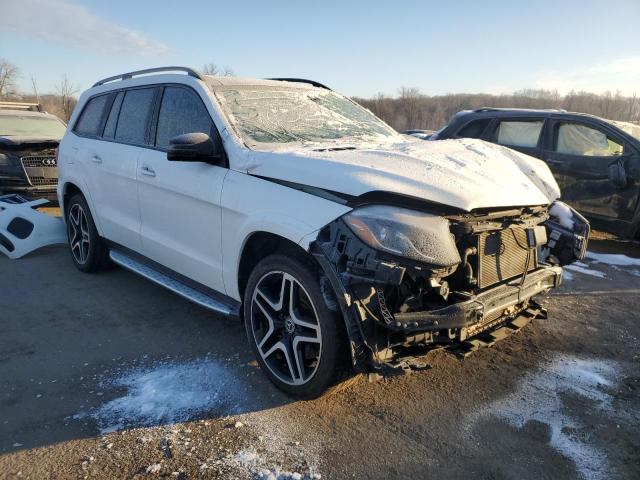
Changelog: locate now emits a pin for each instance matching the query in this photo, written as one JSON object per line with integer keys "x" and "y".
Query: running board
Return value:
{"x": 209, "y": 301}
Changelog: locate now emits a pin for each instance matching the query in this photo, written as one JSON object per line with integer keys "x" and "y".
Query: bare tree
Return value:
{"x": 210, "y": 69}
{"x": 34, "y": 85}
{"x": 9, "y": 73}
{"x": 213, "y": 69}
{"x": 65, "y": 90}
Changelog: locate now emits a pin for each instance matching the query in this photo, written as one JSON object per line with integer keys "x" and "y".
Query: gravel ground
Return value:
{"x": 110, "y": 376}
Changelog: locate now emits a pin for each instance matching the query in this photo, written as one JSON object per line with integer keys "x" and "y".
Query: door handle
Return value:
{"x": 148, "y": 171}
{"x": 96, "y": 158}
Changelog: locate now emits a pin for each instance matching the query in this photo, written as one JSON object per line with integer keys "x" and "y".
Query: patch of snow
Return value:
{"x": 584, "y": 270}
{"x": 539, "y": 397}
{"x": 155, "y": 468}
{"x": 613, "y": 259}
{"x": 254, "y": 462}
{"x": 169, "y": 393}
{"x": 563, "y": 214}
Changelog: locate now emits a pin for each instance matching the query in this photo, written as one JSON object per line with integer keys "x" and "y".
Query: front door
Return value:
{"x": 581, "y": 154}
{"x": 180, "y": 201}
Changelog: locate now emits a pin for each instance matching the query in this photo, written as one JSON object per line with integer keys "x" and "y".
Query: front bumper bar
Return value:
{"x": 484, "y": 309}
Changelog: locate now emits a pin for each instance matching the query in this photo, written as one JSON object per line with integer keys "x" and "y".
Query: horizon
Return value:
{"x": 360, "y": 49}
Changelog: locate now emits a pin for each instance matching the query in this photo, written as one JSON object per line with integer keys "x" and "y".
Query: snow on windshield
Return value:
{"x": 276, "y": 115}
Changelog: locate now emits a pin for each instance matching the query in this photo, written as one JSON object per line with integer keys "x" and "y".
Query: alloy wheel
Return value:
{"x": 79, "y": 239}
{"x": 285, "y": 328}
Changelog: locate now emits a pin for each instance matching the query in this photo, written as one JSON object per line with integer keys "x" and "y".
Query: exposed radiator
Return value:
{"x": 502, "y": 255}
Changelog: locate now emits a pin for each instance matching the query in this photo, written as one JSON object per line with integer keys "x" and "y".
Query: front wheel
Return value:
{"x": 298, "y": 340}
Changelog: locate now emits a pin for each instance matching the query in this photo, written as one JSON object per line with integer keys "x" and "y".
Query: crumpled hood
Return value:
{"x": 467, "y": 174}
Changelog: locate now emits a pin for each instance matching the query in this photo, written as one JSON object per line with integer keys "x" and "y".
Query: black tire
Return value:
{"x": 78, "y": 218}
{"x": 333, "y": 357}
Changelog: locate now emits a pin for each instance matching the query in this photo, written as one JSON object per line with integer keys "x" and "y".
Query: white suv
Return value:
{"x": 339, "y": 242}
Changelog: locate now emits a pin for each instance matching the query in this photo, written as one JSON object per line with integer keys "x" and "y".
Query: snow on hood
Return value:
{"x": 466, "y": 174}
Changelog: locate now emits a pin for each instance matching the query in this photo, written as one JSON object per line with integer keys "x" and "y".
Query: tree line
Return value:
{"x": 409, "y": 109}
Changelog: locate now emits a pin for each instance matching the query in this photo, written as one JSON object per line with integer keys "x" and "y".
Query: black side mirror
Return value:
{"x": 194, "y": 147}
{"x": 618, "y": 175}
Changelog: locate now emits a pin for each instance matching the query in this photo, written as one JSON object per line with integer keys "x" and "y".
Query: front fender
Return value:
{"x": 251, "y": 205}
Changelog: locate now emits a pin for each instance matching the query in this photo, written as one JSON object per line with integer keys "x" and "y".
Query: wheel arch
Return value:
{"x": 258, "y": 245}
{"x": 71, "y": 188}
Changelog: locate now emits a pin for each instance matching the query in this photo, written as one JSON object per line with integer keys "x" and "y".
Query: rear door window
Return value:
{"x": 181, "y": 112}
{"x": 91, "y": 118}
{"x": 577, "y": 139}
{"x": 519, "y": 133}
{"x": 133, "y": 120}
{"x": 110, "y": 126}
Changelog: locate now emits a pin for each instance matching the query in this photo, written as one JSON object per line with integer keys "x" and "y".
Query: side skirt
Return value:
{"x": 193, "y": 291}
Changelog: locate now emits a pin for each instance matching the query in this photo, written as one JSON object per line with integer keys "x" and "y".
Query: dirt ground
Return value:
{"x": 110, "y": 376}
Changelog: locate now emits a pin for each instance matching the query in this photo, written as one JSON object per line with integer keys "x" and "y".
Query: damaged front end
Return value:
{"x": 408, "y": 280}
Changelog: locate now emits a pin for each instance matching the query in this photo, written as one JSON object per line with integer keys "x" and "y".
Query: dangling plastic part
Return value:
{"x": 24, "y": 229}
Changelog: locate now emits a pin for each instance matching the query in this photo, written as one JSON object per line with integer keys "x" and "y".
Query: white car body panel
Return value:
{"x": 47, "y": 229}
{"x": 110, "y": 171}
{"x": 181, "y": 219}
{"x": 466, "y": 174}
{"x": 253, "y": 205}
{"x": 196, "y": 218}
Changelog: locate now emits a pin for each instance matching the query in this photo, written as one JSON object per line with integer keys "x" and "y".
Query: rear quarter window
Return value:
{"x": 91, "y": 117}
{"x": 474, "y": 128}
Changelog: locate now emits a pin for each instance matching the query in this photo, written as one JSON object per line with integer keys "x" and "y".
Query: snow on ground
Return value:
{"x": 592, "y": 261}
{"x": 539, "y": 397}
{"x": 583, "y": 268}
{"x": 612, "y": 259}
{"x": 177, "y": 392}
{"x": 169, "y": 393}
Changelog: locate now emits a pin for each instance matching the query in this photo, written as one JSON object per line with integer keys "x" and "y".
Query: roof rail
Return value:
{"x": 497, "y": 109}
{"x": 31, "y": 107}
{"x": 301, "y": 80}
{"x": 125, "y": 76}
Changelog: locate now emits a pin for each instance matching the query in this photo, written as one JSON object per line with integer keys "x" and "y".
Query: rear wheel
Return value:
{"x": 88, "y": 252}
{"x": 298, "y": 341}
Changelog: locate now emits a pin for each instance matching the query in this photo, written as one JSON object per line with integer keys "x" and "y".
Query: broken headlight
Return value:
{"x": 406, "y": 233}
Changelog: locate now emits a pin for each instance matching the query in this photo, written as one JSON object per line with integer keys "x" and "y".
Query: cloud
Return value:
{"x": 621, "y": 74}
{"x": 65, "y": 23}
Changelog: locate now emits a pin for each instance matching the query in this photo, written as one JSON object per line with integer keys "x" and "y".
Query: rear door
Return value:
{"x": 125, "y": 136}
{"x": 519, "y": 133}
{"x": 180, "y": 201}
{"x": 582, "y": 152}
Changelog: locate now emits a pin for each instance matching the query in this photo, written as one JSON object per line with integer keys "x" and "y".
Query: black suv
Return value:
{"x": 595, "y": 161}
{"x": 28, "y": 140}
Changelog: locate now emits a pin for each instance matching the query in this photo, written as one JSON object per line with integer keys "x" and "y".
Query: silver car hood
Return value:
{"x": 467, "y": 174}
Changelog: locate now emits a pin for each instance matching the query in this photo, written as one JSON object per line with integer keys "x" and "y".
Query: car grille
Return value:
{"x": 502, "y": 255}
{"x": 40, "y": 169}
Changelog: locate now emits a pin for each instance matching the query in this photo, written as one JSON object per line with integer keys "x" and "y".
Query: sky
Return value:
{"x": 359, "y": 48}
